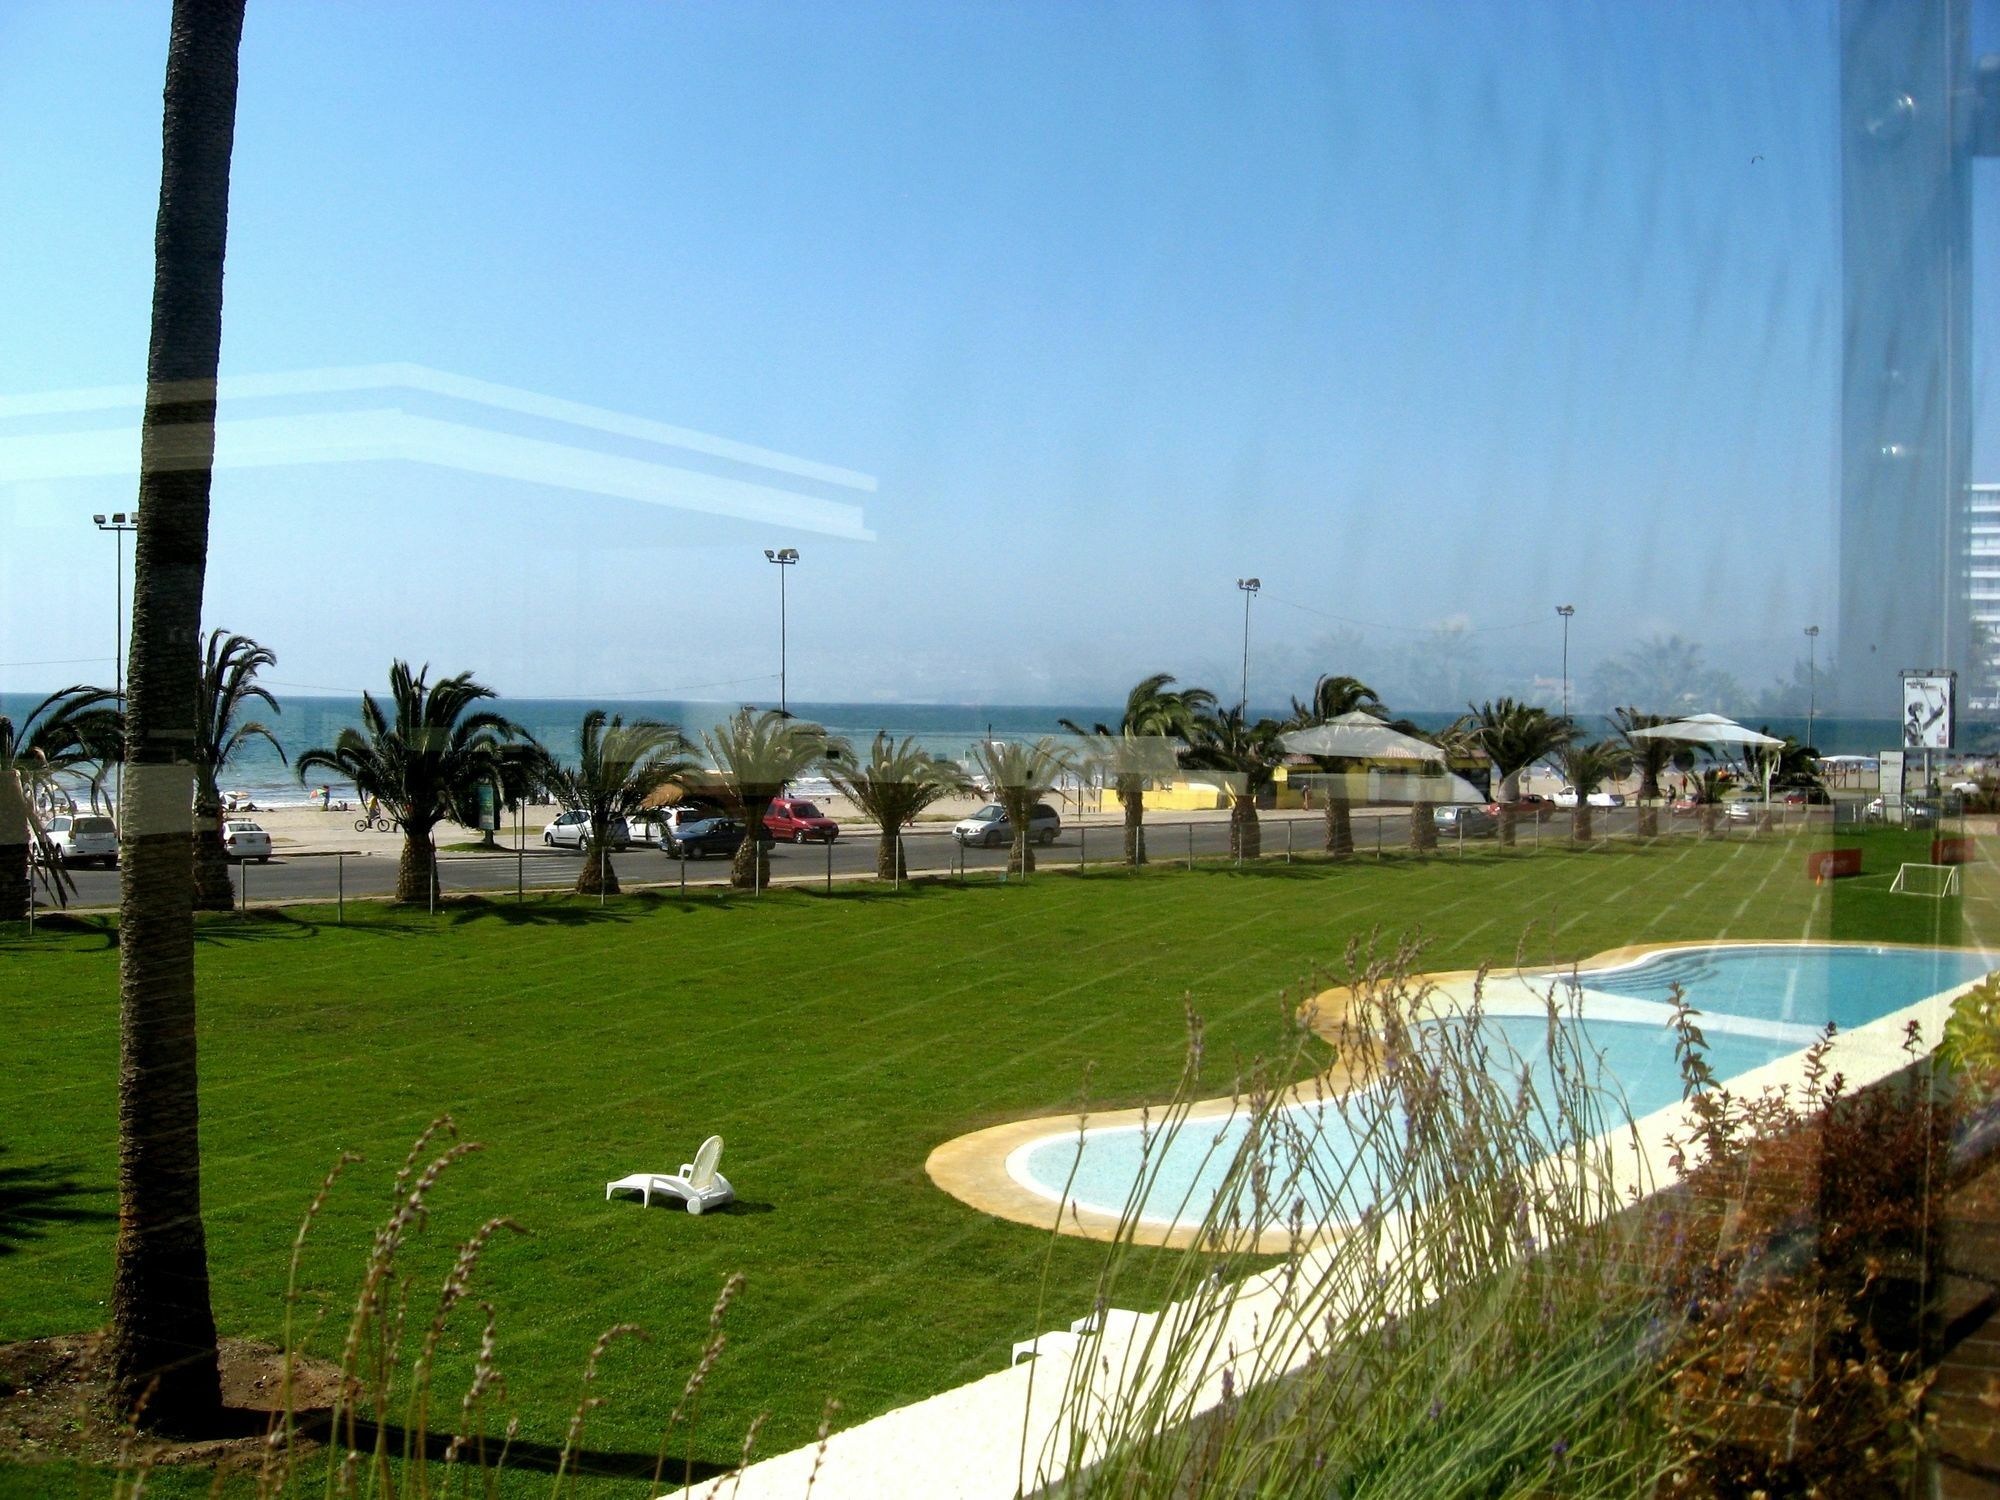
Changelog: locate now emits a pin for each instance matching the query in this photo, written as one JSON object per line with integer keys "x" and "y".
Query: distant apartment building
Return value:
{"x": 1982, "y": 595}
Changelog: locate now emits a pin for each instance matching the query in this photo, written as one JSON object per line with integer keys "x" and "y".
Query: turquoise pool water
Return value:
{"x": 1322, "y": 1167}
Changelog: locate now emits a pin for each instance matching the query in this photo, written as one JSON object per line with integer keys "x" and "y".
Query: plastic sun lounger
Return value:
{"x": 697, "y": 1184}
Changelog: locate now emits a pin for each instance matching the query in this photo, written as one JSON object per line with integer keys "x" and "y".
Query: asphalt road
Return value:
{"x": 323, "y": 877}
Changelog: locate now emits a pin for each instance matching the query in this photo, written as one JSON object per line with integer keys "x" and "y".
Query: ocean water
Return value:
{"x": 942, "y": 728}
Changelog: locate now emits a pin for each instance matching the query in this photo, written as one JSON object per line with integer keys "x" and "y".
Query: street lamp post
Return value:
{"x": 118, "y": 523}
{"x": 1812, "y": 682}
{"x": 1565, "y": 610}
{"x": 784, "y": 557}
{"x": 1249, "y": 587}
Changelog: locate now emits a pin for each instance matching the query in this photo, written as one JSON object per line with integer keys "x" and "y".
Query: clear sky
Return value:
{"x": 1428, "y": 315}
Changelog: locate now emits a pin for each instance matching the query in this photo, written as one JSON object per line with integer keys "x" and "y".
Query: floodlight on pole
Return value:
{"x": 1812, "y": 681}
{"x": 784, "y": 557}
{"x": 118, "y": 523}
{"x": 1566, "y": 610}
{"x": 1249, "y": 587}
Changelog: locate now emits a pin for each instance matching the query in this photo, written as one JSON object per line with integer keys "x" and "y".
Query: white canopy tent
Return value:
{"x": 1712, "y": 729}
{"x": 1362, "y": 736}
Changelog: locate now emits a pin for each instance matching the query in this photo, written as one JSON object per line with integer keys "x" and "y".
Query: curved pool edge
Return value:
{"x": 974, "y": 1167}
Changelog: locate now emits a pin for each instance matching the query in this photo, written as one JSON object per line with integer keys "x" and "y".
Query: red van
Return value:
{"x": 797, "y": 820}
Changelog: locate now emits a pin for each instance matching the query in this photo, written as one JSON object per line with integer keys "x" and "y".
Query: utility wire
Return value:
{"x": 1411, "y": 629}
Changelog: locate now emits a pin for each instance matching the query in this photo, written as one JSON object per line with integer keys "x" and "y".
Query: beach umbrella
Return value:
{"x": 1712, "y": 729}
{"x": 1362, "y": 736}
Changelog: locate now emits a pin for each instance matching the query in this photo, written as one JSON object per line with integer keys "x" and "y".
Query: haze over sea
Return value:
{"x": 942, "y": 728}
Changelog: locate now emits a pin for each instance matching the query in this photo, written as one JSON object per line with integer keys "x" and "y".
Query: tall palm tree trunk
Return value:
{"x": 889, "y": 861}
{"x": 1649, "y": 796}
{"x": 1133, "y": 801}
{"x": 1339, "y": 825}
{"x": 1246, "y": 833}
{"x": 751, "y": 869}
{"x": 1423, "y": 827}
{"x": 14, "y": 871}
{"x": 598, "y": 876}
{"x": 1510, "y": 793}
{"x": 162, "y": 1347}
{"x": 1580, "y": 828}
{"x": 213, "y": 890}
{"x": 416, "y": 870}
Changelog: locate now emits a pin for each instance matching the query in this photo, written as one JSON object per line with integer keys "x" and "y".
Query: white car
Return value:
{"x": 243, "y": 839}
{"x": 1567, "y": 798}
{"x": 989, "y": 827}
{"x": 571, "y": 830}
{"x": 84, "y": 839}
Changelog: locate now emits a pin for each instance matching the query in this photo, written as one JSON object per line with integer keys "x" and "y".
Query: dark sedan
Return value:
{"x": 722, "y": 836}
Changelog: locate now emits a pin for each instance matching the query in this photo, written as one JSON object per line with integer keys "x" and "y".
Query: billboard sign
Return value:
{"x": 1929, "y": 702}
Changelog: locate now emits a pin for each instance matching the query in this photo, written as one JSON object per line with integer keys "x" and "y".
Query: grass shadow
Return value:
{"x": 58, "y": 924}
{"x": 533, "y": 1457}
{"x": 257, "y": 925}
{"x": 37, "y": 1197}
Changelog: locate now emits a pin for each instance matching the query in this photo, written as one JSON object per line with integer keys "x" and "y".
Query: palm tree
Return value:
{"x": 892, "y": 786}
{"x": 1247, "y": 755}
{"x": 1513, "y": 736}
{"x": 1650, "y": 758}
{"x": 1792, "y": 766}
{"x": 1142, "y": 747}
{"x": 1019, "y": 776}
{"x": 1452, "y": 740}
{"x": 758, "y": 754}
{"x": 618, "y": 767}
{"x": 160, "y": 1352}
{"x": 429, "y": 758}
{"x": 229, "y": 668}
{"x": 1708, "y": 787}
{"x": 1331, "y": 697}
{"x": 1587, "y": 767}
{"x": 66, "y": 732}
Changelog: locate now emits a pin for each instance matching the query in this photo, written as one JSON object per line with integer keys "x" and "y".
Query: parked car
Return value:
{"x": 1917, "y": 813}
{"x": 1566, "y": 797}
{"x": 1465, "y": 820}
{"x": 645, "y": 829}
{"x": 698, "y": 838}
{"x": 571, "y": 830}
{"x": 1534, "y": 805}
{"x": 989, "y": 826}
{"x": 800, "y": 821}
{"x": 243, "y": 839}
{"x": 84, "y": 839}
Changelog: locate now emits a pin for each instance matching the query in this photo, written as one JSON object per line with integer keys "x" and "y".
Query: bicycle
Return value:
{"x": 379, "y": 823}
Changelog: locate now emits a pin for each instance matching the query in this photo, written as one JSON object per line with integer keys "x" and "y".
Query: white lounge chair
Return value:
{"x": 697, "y": 1184}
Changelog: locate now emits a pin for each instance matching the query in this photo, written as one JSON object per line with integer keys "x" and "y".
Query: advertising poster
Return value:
{"x": 1928, "y": 703}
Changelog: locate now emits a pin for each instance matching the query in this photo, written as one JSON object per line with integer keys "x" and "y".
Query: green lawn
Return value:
{"x": 833, "y": 1040}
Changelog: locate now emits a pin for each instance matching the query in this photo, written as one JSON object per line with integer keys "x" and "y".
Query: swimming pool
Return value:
{"x": 1757, "y": 1003}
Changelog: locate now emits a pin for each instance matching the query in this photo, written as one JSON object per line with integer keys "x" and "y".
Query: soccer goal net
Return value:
{"x": 1926, "y": 880}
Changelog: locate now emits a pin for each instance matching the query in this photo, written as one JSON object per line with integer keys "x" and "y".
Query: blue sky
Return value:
{"x": 1424, "y": 314}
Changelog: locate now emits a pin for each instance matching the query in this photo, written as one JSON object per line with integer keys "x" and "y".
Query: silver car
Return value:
{"x": 1464, "y": 819}
{"x": 84, "y": 839}
{"x": 989, "y": 827}
{"x": 571, "y": 830}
